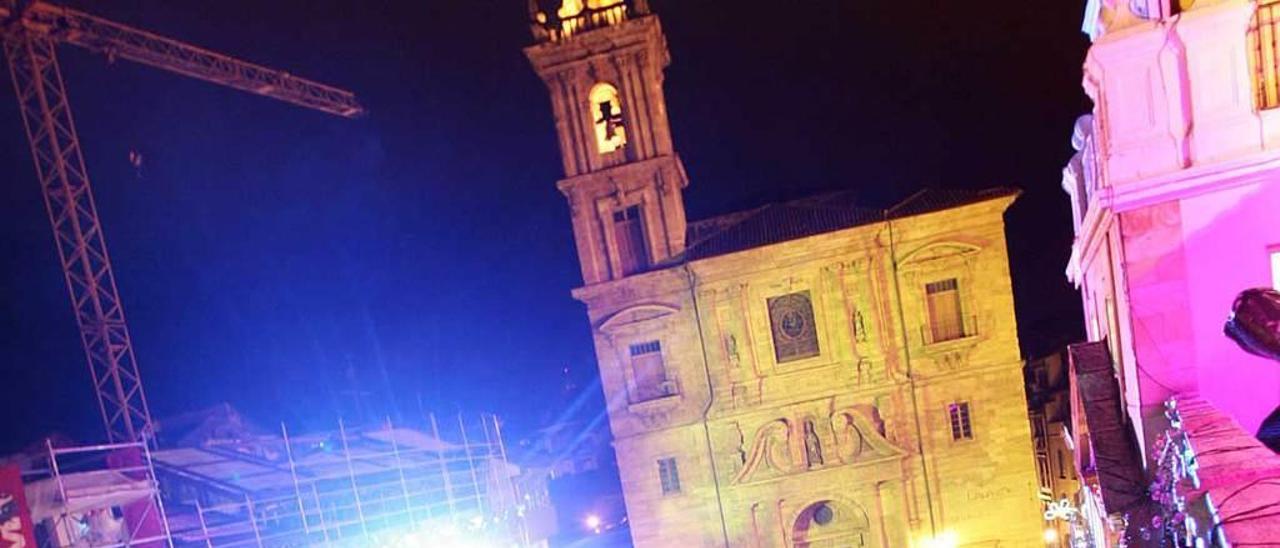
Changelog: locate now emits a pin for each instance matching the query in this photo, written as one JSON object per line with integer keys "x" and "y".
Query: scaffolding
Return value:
{"x": 447, "y": 483}
{"x": 100, "y": 495}
{"x": 379, "y": 486}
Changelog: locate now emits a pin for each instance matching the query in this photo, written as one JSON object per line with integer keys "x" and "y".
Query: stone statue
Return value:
{"x": 731, "y": 348}
{"x": 812, "y": 445}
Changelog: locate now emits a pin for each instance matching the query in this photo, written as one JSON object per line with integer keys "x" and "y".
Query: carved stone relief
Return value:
{"x": 783, "y": 447}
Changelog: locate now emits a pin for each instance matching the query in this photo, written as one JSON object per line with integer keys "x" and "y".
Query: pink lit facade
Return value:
{"x": 1176, "y": 198}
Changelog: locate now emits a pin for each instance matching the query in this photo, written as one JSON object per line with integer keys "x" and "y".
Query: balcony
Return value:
{"x": 550, "y": 27}
{"x": 655, "y": 391}
{"x": 1264, "y": 52}
{"x": 653, "y": 403}
{"x": 941, "y": 332}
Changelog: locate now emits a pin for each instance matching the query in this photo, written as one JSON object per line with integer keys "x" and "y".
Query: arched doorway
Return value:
{"x": 831, "y": 524}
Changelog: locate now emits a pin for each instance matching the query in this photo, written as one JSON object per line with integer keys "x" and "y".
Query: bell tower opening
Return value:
{"x": 606, "y": 111}
{"x": 603, "y": 63}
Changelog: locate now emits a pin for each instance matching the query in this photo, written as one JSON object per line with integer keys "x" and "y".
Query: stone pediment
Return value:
{"x": 779, "y": 449}
{"x": 940, "y": 250}
{"x": 635, "y": 314}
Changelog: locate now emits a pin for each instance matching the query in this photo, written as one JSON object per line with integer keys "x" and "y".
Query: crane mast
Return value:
{"x": 31, "y": 33}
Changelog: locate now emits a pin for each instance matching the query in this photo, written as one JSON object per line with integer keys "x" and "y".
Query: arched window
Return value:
{"x": 606, "y": 115}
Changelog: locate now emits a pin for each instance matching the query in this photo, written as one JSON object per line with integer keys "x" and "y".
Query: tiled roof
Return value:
{"x": 781, "y": 222}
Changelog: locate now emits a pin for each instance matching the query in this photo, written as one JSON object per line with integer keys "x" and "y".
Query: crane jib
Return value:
{"x": 30, "y": 33}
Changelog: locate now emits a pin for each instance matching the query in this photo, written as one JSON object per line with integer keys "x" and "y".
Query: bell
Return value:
{"x": 1254, "y": 323}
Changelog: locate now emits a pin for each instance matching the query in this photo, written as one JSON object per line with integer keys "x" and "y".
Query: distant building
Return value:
{"x": 1175, "y": 191}
{"x": 1048, "y": 385}
{"x": 573, "y": 461}
{"x": 801, "y": 374}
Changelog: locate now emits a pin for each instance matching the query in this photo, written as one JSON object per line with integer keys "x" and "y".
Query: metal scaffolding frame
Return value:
{"x": 380, "y": 486}
{"x": 112, "y": 484}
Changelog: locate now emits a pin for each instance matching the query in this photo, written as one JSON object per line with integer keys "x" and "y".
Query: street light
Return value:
{"x": 946, "y": 539}
{"x": 592, "y": 522}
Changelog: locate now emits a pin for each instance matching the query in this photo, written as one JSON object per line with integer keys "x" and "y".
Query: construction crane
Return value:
{"x": 30, "y": 31}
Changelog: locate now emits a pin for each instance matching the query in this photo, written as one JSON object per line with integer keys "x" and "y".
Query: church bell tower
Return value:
{"x": 603, "y": 62}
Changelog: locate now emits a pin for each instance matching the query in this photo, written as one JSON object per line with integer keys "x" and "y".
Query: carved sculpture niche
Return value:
{"x": 859, "y": 438}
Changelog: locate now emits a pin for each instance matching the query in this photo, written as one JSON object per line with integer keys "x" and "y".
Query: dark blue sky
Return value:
{"x": 265, "y": 251}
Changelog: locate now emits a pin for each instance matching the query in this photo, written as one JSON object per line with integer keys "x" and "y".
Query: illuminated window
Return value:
{"x": 628, "y": 233}
{"x": 606, "y": 115}
{"x": 649, "y": 371}
{"x": 1275, "y": 268}
{"x": 1264, "y": 54}
{"x": 961, "y": 429}
{"x": 669, "y": 475}
{"x": 795, "y": 336}
{"x": 571, "y": 8}
{"x": 946, "y": 321}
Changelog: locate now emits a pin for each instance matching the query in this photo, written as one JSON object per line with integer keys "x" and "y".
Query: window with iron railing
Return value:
{"x": 1264, "y": 54}
{"x": 946, "y": 319}
{"x": 1042, "y": 472}
{"x": 650, "y": 372}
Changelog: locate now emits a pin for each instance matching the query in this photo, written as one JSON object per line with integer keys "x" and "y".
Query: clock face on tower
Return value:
{"x": 795, "y": 336}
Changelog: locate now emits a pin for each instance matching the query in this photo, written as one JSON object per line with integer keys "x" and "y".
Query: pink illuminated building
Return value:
{"x": 1175, "y": 191}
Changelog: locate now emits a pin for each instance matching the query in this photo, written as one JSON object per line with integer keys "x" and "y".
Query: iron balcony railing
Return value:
{"x": 943, "y": 331}
{"x": 656, "y": 391}
{"x": 1264, "y": 53}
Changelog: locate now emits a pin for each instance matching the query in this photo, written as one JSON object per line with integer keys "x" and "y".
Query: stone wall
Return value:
{"x": 863, "y": 428}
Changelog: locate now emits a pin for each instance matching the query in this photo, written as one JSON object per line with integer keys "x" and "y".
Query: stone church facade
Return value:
{"x": 811, "y": 373}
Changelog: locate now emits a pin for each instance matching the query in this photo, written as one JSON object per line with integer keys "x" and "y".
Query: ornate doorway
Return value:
{"x": 831, "y": 524}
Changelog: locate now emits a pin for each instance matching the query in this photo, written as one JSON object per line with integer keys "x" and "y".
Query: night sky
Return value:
{"x": 273, "y": 257}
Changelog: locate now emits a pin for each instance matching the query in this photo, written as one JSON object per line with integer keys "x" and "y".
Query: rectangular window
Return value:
{"x": 795, "y": 336}
{"x": 649, "y": 371}
{"x": 961, "y": 429}
{"x": 1264, "y": 54}
{"x": 669, "y": 475}
{"x": 1042, "y": 472}
{"x": 946, "y": 321}
{"x": 1275, "y": 268}
{"x": 628, "y": 233}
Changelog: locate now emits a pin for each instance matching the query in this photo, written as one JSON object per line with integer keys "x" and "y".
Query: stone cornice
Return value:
{"x": 1108, "y": 201}
{"x": 632, "y": 34}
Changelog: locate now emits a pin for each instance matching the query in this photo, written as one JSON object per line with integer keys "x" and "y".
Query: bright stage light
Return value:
{"x": 592, "y": 522}
{"x": 946, "y": 539}
{"x": 1050, "y": 535}
{"x": 439, "y": 535}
